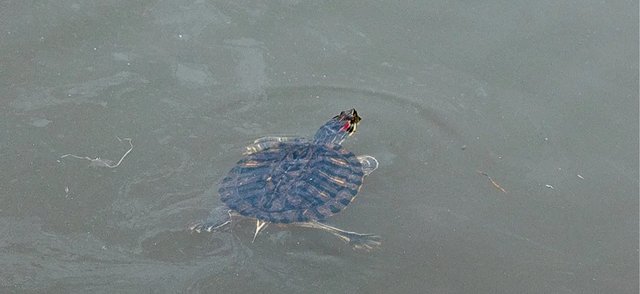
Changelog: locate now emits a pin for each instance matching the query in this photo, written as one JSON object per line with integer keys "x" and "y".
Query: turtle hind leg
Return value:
{"x": 359, "y": 241}
{"x": 369, "y": 163}
{"x": 219, "y": 218}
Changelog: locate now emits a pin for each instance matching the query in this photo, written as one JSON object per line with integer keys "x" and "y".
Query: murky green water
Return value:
{"x": 506, "y": 134}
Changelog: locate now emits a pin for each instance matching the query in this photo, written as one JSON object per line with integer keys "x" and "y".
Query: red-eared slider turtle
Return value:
{"x": 294, "y": 180}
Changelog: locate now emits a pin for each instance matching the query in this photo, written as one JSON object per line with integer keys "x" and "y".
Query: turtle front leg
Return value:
{"x": 358, "y": 241}
{"x": 265, "y": 143}
{"x": 274, "y": 139}
{"x": 369, "y": 163}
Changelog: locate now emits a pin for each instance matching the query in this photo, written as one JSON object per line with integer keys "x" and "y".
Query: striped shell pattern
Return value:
{"x": 294, "y": 181}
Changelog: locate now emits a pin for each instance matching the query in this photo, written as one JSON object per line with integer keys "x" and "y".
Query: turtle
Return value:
{"x": 297, "y": 181}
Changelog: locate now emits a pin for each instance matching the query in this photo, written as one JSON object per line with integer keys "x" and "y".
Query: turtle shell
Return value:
{"x": 294, "y": 181}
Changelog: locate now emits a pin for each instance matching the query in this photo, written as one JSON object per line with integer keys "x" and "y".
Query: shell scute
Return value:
{"x": 294, "y": 181}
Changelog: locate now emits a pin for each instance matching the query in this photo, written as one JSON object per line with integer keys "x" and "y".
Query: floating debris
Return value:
{"x": 99, "y": 162}
{"x": 494, "y": 183}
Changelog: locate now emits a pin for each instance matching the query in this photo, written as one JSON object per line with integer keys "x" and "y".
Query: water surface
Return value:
{"x": 506, "y": 134}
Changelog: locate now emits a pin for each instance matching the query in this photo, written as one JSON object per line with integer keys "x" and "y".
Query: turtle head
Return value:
{"x": 338, "y": 128}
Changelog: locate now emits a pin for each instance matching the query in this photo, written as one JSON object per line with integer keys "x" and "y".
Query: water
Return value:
{"x": 541, "y": 97}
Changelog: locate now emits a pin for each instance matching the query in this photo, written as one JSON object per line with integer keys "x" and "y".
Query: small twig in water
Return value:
{"x": 494, "y": 183}
{"x": 99, "y": 162}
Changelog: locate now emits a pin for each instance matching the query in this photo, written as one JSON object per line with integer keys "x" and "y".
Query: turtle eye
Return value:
{"x": 356, "y": 118}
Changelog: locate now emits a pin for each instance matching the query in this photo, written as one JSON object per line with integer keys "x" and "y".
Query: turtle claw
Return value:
{"x": 206, "y": 227}
{"x": 219, "y": 217}
{"x": 260, "y": 225}
{"x": 364, "y": 242}
{"x": 199, "y": 227}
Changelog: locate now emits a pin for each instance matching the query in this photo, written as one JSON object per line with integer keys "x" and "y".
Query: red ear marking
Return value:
{"x": 345, "y": 127}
